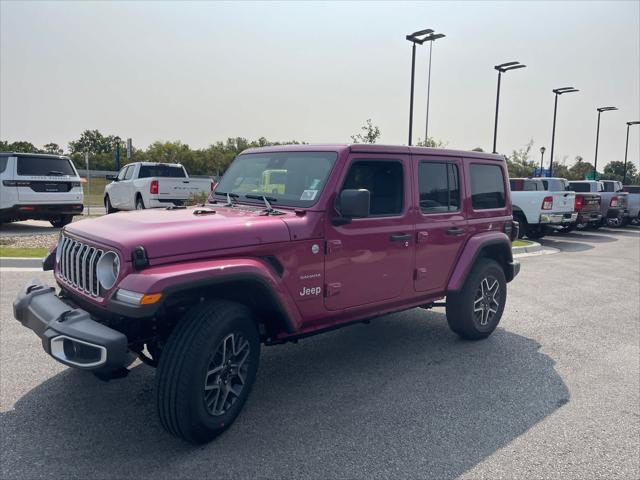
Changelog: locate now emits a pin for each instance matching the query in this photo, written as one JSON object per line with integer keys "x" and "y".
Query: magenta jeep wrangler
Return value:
{"x": 294, "y": 241}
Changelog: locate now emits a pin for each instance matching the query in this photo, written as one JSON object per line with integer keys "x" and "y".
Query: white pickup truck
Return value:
{"x": 143, "y": 185}
{"x": 538, "y": 210}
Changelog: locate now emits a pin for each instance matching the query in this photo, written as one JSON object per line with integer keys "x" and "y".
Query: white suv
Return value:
{"x": 39, "y": 187}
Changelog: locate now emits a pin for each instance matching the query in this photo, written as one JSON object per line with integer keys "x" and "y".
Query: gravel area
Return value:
{"x": 32, "y": 241}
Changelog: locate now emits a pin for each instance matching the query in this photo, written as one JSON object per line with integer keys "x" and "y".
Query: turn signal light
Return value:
{"x": 153, "y": 188}
{"x": 613, "y": 202}
{"x": 547, "y": 203}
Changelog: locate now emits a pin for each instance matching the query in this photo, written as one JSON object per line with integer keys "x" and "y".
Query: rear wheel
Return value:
{"x": 61, "y": 221}
{"x": 522, "y": 221}
{"x": 475, "y": 311}
{"x": 535, "y": 233}
{"x": 206, "y": 371}
{"x": 139, "y": 203}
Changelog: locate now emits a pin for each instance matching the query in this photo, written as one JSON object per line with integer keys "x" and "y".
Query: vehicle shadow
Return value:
{"x": 563, "y": 245}
{"x": 401, "y": 397}
{"x": 628, "y": 231}
{"x": 586, "y": 237}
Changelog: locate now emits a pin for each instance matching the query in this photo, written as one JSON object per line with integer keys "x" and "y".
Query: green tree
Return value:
{"x": 431, "y": 142}
{"x": 580, "y": 169}
{"x": 92, "y": 141}
{"x": 53, "y": 148}
{"x": 615, "y": 171}
{"x": 477, "y": 149}
{"x": 519, "y": 163}
{"x": 19, "y": 146}
{"x": 371, "y": 133}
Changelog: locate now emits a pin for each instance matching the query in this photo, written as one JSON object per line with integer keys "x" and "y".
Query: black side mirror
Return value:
{"x": 353, "y": 204}
{"x": 113, "y": 178}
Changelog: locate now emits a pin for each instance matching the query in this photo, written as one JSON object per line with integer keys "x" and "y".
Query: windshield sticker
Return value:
{"x": 309, "y": 195}
{"x": 314, "y": 185}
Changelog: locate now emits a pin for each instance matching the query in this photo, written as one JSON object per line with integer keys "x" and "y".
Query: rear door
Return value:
{"x": 371, "y": 259}
{"x": 441, "y": 227}
{"x": 48, "y": 180}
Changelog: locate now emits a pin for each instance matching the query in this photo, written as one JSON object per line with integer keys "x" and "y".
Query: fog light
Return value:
{"x": 76, "y": 352}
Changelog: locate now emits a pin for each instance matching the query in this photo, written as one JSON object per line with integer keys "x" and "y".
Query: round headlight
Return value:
{"x": 108, "y": 269}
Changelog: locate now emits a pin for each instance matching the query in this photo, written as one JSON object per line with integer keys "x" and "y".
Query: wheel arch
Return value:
{"x": 492, "y": 245}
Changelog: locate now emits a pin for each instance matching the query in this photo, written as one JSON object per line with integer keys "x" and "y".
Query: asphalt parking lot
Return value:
{"x": 554, "y": 393}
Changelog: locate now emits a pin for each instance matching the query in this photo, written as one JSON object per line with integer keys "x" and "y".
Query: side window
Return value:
{"x": 130, "y": 170}
{"x": 439, "y": 187}
{"x": 530, "y": 186}
{"x": 487, "y": 186}
{"x": 3, "y": 163}
{"x": 122, "y": 173}
{"x": 385, "y": 182}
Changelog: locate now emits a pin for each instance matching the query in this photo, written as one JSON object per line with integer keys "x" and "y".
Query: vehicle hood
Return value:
{"x": 178, "y": 232}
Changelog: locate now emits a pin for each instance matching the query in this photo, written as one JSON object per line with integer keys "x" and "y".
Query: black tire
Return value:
{"x": 185, "y": 365}
{"x": 461, "y": 316}
{"x": 107, "y": 205}
{"x": 61, "y": 221}
{"x": 522, "y": 221}
{"x": 569, "y": 228}
{"x": 139, "y": 203}
{"x": 535, "y": 233}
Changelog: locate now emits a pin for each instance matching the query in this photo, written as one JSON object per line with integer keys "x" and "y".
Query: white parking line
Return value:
{"x": 17, "y": 269}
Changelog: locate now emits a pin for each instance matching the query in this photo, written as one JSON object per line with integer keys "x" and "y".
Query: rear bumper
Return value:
{"x": 589, "y": 217}
{"x": 558, "y": 218}
{"x": 617, "y": 212}
{"x": 165, "y": 202}
{"x": 69, "y": 334}
{"x": 40, "y": 211}
{"x": 513, "y": 268}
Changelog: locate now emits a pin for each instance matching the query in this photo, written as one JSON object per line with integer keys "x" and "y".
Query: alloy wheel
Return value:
{"x": 486, "y": 301}
{"x": 226, "y": 373}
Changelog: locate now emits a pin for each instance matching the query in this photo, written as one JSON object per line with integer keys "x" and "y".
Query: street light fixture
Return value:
{"x": 415, "y": 38}
{"x": 558, "y": 92}
{"x": 502, "y": 68}
{"x": 542, "y": 150}
{"x": 626, "y": 150}
{"x": 430, "y": 38}
{"x": 595, "y": 161}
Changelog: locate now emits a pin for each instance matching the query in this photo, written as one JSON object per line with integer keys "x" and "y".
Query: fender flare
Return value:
{"x": 175, "y": 278}
{"x": 472, "y": 250}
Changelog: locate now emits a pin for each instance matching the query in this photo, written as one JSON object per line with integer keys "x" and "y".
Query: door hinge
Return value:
{"x": 332, "y": 289}
{"x": 333, "y": 246}
{"x": 419, "y": 273}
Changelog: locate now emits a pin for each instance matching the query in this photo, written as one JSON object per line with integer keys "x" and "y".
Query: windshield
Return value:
{"x": 285, "y": 178}
{"x": 171, "y": 171}
{"x": 45, "y": 166}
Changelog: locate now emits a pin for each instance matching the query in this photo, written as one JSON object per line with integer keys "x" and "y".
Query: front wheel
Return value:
{"x": 475, "y": 311}
{"x": 107, "y": 205}
{"x": 206, "y": 371}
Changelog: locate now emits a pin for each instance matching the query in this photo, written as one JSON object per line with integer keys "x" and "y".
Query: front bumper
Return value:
{"x": 558, "y": 218}
{"x": 68, "y": 333}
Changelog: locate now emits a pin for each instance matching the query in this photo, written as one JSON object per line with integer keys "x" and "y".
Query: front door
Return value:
{"x": 441, "y": 228}
{"x": 116, "y": 191}
{"x": 370, "y": 259}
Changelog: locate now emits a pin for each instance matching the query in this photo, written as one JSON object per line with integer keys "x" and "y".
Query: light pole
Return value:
{"x": 558, "y": 92}
{"x": 430, "y": 38}
{"x": 414, "y": 38}
{"x": 116, "y": 153}
{"x": 542, "y": 150}
{"x": 595, "y": 161}
{"x": 626, "y": 151}
{"x": 502, "y": 68}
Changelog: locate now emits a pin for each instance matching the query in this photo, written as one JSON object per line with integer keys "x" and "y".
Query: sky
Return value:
{"x": 201, "y": 72}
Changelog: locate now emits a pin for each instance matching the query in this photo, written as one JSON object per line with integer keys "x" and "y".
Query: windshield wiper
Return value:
{"x": 55, "y": 172}
{"x": 268, "y": 209}
{"x": 230, "y": 196}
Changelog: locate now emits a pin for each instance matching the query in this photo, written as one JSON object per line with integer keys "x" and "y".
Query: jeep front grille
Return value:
{"x": 77, "y": 265}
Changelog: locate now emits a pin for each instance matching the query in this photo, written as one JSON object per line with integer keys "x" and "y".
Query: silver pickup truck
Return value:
{"x": 634, "y": 203}
{"x": 614, "y": 202}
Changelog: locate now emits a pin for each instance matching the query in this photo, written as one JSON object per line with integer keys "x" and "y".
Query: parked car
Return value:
{"x": 354, "y": 232}
{"x": 39, "y": 187}
{"x": 634, "y": 203}
{"x": 587, "y": 205}
{"x": 538, "y": 210}
{"x": 143, "y": 185}
{"x": 613, "y": 201}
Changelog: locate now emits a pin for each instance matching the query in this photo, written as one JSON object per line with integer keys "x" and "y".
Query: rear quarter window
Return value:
{"x": 487, "y": 186}
{"x": 3, "y": 163}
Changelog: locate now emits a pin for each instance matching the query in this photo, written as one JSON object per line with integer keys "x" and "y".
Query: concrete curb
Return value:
{"x": 533, "y": 248}
{"x": 20, "y": 262}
